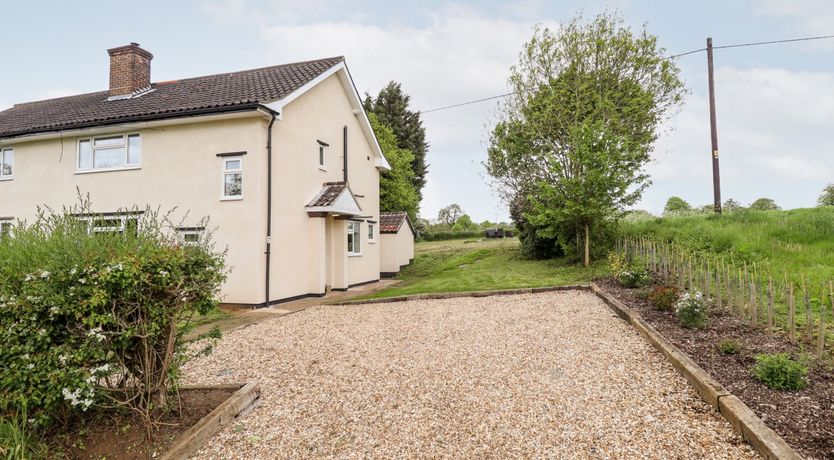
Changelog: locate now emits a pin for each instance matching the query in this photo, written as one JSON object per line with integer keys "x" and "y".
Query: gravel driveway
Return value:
{"x": 544, "y": 375}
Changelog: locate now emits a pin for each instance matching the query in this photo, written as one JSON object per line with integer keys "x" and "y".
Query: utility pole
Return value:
{"x": 716, "y": 176}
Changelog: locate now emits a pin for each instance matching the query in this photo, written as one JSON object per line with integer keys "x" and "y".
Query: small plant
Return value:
{"x": 663, "y": 297}
{"x": 692, "y": 310}
{"x": 617, "y": 263}
{"x": 18, "y": 440}
{"x": 643, "y": 293}
{"x": 634, "y": 278}
{"x": 780, "y": 372}
{"x": 729, "y": 347}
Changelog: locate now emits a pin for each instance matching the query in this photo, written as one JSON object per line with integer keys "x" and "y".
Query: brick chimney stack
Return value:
{"x": 130, "y": 69}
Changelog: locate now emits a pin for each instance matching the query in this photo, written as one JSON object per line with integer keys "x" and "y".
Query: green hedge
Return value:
{"x": 441, "y": 236}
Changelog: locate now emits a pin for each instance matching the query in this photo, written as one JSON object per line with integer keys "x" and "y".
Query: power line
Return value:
{"x": 467, "y": 103}
{"x": 790, "y": 40}
{"x": 737, "y": 45}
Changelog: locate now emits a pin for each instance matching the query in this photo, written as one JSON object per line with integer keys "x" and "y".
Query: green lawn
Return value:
{"x": 479, "y": 265}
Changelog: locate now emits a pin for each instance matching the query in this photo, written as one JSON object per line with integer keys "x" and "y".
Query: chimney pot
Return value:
{"x": 130, "y": 69}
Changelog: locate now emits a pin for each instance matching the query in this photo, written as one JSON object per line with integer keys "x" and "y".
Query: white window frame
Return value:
{"x": 122, "y": 218}
{"x": 185, "y": 232}
{"x": 92, "y": 140}
{"x": 227, "y": 171}
{"x": 371, "y": 232}
{"x": 6, "y": 226}
{"x": 354, "y": 229}
{"x": 321, "y": 155}
{"x": 3, "y": 153}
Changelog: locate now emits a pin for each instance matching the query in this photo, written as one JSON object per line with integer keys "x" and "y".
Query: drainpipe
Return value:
{"x": 345, "y": 158}
{"x": 269, "y": 200}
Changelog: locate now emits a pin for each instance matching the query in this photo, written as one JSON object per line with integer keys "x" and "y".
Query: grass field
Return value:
{"x": 798, "y": 242}
{"x": 478, "y": 265}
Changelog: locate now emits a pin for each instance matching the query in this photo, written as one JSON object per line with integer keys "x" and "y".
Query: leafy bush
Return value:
{"x": 617, "y": 263}
{"x": 692, "y": 310}
{"x": 663, "y": 297}
{"x": 94, "y": 319}
{"x": 780, "y": 372}
{"x": 729, "y": 347}
{"x": 635, "y": 278}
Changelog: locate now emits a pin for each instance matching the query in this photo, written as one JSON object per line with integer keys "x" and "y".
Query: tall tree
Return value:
{"x": 826, "y": 198}
{"x": 587, "y": 103}
{"x": 450, "y": 214}
{"x": 396, "y": 188}
{"x": 391, "y": 107}
{"x": 676, "y": 204}
{"x": 765, "y": 204}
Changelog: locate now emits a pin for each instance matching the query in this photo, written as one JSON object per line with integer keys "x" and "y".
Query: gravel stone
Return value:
{"x": 540, "y": 375}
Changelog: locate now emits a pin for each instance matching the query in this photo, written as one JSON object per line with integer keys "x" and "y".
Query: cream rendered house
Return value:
{"x": 282, "y": 159}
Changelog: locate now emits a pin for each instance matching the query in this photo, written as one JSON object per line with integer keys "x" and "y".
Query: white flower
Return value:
{"x": 29, "y": 277}
{"x": 30, "y": 366}
{"x": 45, "y": 274}
{"x": 73, "y": 271}
{"x": 96, "y": 333}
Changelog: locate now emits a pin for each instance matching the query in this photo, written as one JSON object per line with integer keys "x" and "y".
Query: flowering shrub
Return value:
{"x": 663, "y": 297}
{"x": 635, "y": 278}
{"x": 692, "y": 310}
{"x": 95, "y": 319}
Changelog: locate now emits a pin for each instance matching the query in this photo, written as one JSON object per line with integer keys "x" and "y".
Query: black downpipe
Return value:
{"x": 345, "y": 159}
{"x": 268, "y": 201}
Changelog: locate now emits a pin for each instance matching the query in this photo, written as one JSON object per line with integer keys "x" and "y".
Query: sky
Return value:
{"x": 774, "y": 104}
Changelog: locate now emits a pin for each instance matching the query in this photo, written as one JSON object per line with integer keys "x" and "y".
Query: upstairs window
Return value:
{"x": 322, "y": 155}
{"x": 110, "y": 152}
{"x": 371, "y": 232}
{"x": 232, "y": 178}
{"x": 354, "y": 246}
{"x": 6, "y": 163}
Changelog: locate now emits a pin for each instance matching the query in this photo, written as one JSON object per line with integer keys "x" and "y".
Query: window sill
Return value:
{"x": 371, "y": 241}
{"x": 232, "y": 198}
{"x": 104, "y": 170}
{"x": 3, "y": 179}
{"x": 354, "y": 255}
{"x": 322, "y": 168}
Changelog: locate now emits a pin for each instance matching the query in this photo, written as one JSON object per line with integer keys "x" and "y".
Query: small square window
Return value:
{"x": 191, "y": 236}
{"x": 6, "y": 226}
{"x": 354, "y": 246}
{"x": 232, "y": 178}
{"x": 6, "y": 163}
{"x": 322, "y": 155}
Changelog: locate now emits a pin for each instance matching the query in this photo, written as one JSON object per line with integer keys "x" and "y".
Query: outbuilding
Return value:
{"x": 397, "y": 238}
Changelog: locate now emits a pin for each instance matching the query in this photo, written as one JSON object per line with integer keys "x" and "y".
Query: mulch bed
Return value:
{"x": 805, "y": 419}
{"x": 122, "y": 436}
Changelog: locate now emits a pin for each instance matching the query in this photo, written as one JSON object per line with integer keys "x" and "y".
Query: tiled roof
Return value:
{"x": 328, "y": 194}
{"x": 390, "y": 222}
{"x": 192, "y": 96}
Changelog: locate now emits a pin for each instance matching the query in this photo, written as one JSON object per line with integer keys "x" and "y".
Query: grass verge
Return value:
{"x": 480, "y": 265}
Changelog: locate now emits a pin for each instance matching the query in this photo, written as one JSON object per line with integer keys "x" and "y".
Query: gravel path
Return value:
{"x": 545, "y": 375}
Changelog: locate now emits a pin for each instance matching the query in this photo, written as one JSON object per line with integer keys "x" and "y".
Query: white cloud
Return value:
{"x": 459, "y": 55}
{"x": 809, "y": 17}
{"x": 773, "y": 133}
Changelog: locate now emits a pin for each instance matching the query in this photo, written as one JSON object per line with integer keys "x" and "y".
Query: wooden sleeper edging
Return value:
{"x": 237, "y": 405}
{"x": 752, "y": 429}
{"x": 452, "y": 295}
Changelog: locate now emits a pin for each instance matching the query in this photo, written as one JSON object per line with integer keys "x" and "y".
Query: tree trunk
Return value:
{"x": 587, "y": 246}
